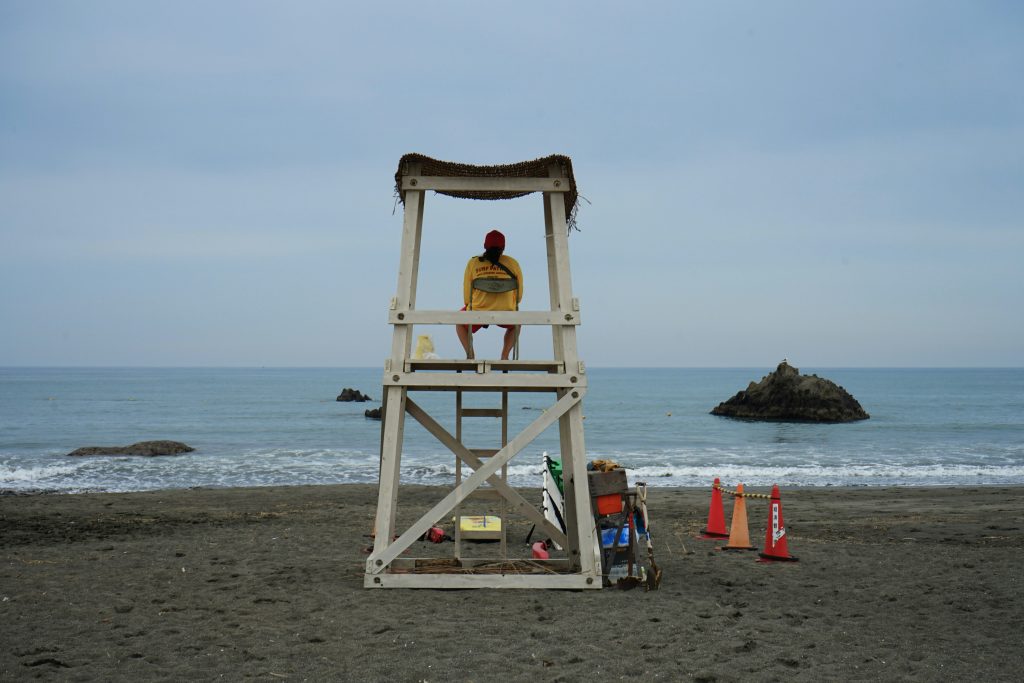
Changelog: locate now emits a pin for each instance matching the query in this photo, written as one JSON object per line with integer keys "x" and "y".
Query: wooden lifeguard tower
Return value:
{"x": 563, "y": 376}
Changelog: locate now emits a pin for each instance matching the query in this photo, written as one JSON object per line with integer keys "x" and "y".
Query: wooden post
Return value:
{"x": 574, "y": 459}
{"x": 394, "y": 397}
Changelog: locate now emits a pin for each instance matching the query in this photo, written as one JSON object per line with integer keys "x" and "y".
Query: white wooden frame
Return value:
{"x": 564, "y": 376}
{"x": 456, "y": 183}
{"x": 484, "y": 317}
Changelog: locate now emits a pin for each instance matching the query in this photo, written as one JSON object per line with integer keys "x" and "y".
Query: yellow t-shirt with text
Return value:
{"x": 491, "y": 301}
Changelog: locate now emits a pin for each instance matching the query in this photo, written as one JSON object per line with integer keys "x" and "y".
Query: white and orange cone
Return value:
{"x": 739, "y": 532}
{"x": 776, "y": 547}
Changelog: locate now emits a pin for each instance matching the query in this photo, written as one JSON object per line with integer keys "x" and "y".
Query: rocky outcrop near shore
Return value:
{"x": 144, "y": 448}
{"x": 787, "y": 396}
{"x": 348, "y": 395}
{"x": 372, "y": 413}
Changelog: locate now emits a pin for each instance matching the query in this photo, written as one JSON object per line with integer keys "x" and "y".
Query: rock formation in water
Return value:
{"x": 787, "y": 396}
{"x": 353, "y": 395}
{"x": 144, "y": 448}
{"x": 372, "y": 413}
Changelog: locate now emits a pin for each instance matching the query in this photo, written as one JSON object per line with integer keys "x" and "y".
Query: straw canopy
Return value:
{"x": 538, "y": 168}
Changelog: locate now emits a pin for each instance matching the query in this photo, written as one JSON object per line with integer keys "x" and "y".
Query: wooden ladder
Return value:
{"x": 485, "y": 493}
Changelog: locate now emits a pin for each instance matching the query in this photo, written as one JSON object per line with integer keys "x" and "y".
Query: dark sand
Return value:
{"x": 892, "y": 584}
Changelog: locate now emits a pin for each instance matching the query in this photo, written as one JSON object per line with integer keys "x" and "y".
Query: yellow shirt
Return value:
{"x": 491, "y": 301}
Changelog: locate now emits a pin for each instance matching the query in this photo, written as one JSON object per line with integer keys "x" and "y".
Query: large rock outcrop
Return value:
{"x": 347, "y": 395}
{"x": 787, "y": 396}
{"x": 143, "y": 448}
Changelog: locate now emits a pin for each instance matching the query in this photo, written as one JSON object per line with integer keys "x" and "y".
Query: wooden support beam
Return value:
{"x": 390, "y": 461}
{"x": 488, "y": 381}
{"x": 584, "y": 546}
{"x": 446, "y": 580}
{"x": 379, "y": 560}
{"x": 442, "y": 317}
{"x": 481, "y": 365}
{"x": 456, "y": 183}
{"x": 392, "y": 425}
{"x": 519, "y": 566}
{"x": 408, "y": 270}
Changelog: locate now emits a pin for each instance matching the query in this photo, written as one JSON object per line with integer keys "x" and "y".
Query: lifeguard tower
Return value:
{"x": 563, "y": 376}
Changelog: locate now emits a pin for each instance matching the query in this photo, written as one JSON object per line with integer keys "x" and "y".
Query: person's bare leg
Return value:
{"x": 467, "y": 344}
{"x": 509, "y": 342}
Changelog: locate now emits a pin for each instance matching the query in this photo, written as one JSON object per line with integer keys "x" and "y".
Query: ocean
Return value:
{"x": 282, "y": 426}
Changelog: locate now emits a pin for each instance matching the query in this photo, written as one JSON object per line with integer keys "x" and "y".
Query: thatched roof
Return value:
{"x": 538, "y": 168}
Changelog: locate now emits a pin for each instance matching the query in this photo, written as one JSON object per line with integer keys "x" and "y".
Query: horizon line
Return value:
{"x": 596, "y": 367}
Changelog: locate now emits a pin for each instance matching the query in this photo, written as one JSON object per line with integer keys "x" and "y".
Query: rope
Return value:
{"x": 731, "y": 492}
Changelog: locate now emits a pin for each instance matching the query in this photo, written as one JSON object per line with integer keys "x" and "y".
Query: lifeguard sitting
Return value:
{"x": 493, "y": 281}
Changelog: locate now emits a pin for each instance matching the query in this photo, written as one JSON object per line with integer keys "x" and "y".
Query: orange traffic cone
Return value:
{"x": 739, "y": 535}
{"x": 775, "y": 546}
{"x": 716, "y": 515}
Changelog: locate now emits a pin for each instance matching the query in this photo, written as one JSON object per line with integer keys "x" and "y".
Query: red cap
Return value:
{"x": 494, "y": 239}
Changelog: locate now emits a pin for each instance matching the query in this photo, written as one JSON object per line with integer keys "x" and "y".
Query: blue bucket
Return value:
{"x": 608, "y": 537}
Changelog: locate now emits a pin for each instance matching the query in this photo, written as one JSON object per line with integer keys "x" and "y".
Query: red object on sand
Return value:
{"x": 716, "y": 515}
{"x": 540, "y": 550}
{"x": 775, "y": 545}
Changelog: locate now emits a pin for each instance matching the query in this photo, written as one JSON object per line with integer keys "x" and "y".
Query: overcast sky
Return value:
{"x": 210, "y": 183}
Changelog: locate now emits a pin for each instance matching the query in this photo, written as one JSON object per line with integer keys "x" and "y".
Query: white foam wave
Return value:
{"x": 282, "y": 467}
{"x": 427, "y": 470}
{"x": 33, "y": 477}
{"x": 849, "y": 475}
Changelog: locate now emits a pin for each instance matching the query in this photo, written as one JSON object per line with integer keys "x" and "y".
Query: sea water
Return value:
{"x": 270, "y": 427}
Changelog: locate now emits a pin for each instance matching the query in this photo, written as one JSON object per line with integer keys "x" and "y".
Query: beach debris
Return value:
{"x": 143, "y": 448}
{"x": 716, "y": 515}
{"x": 776, "y": 547}
{"x": 739, "y": 531}
{"x": 607, "y": 487}
{"x": 480, "y": 527}
{"x": 348, "y": 395}
{"x": 603, "y": 466}
{"x": 424, "y": 348}
{"x": 436, "y": 534}
{"x": 372, "y": 413}
{"x": 787, "y": 396}
{"x": 552, "y": 498}
{"x": 651, "y": 574}
{"x": 623, "y": 524}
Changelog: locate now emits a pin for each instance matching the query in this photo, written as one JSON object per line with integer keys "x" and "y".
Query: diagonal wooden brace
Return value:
{"x": 516, "y": 500}
{"x": 380, "y": 560}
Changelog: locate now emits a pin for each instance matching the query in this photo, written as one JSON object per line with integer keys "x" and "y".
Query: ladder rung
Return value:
{"x": 527, "y": 365}
{"x": 481, "y": 365}
{"x": 484, "y": 452}
{"x": 439, "y": 364}
{"x": 482, "y": 412}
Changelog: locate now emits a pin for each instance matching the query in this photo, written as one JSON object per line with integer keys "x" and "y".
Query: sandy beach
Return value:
{"x": 892, "y": 584}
